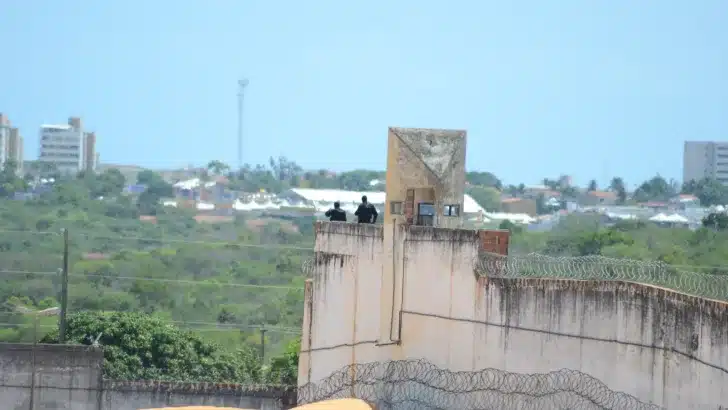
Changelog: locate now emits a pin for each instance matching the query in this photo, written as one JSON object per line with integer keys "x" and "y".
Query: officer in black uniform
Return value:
{"x": 366, "y": 212}
{"x": 336, "y": 214}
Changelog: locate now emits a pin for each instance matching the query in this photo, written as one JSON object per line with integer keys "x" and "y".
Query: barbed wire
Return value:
{"x": 308, "y": 266}
{"x": 418, "y": 384}
{"x": 595, "y": 267}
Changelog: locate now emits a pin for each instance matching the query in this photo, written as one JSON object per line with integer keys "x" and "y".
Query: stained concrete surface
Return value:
{"x": 55, "y": 377}
{"x": 418, "y": 296}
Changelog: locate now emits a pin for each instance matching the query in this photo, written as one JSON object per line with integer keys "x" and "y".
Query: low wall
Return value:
{"x": 52, "y": 377}
{"x": 140, "y": 395}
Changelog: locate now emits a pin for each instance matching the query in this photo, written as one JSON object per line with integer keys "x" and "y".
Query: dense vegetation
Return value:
{"x": 704, "y": 250}
{"x": 223, "y": 282}
{"x": 177, "y": 299}
{"x": 144, "y": 347}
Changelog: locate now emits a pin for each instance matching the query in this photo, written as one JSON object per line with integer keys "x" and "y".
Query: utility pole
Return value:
{"x": 64, "y": 291}
{"x": 262, "y": 342}
{"x": 241, "y": 95}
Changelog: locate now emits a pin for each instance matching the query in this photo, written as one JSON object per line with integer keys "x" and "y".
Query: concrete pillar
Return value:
{"x": 304, "y": 357}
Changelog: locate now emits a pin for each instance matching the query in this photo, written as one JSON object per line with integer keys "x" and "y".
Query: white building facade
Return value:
{"x": 11, "y": 144}
{"x": 705, "y": 159}
{"x": 4, "y": 136}
{"x": 68, "y": 147}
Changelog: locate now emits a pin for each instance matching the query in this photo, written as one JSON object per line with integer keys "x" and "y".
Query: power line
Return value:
{"x": 220, "y": 327}
{"x": 30, "y": 232}
{"x": 149, "y": 279}
{"x": 165, "y": 240}
{"x": 183, "y": 241}
{"x": 29, "y": 272}
{"x": 190, "y": 282}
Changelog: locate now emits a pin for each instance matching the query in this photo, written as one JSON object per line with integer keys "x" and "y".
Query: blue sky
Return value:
{"x": 591, "y": 89}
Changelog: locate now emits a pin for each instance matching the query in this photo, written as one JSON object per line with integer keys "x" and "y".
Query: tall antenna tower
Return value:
{"x": 242, "y": 83}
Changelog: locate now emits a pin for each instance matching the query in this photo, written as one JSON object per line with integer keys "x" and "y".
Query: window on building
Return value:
{"x": 426, "y": 214}
{"x": 396, "y": 208}
{"x": 451, "y": 210}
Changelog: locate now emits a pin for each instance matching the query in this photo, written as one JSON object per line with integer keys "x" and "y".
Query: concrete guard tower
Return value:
{"x": 425, "y": 188}
{"x": 366, "y": 277}
{"x": 425, "y": 177}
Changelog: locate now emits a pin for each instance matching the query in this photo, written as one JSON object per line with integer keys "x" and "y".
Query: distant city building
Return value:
{"x": 11, "y": 144}
{"x": 68, "y": 147}
{"x": 705, "y": 159}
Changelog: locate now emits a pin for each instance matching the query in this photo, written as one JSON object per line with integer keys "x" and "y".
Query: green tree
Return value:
{"x": 488, "y": 198}
{"x": 284, "y": 369}
{"x": 284, "y": 169}
{"x": 156, "y": 189}
{"x": 655, "y": 189}
{"x": 592, "y": 185}
{"x": 510, "y": 226}
{"x": 111, "y": 182}
{"x": 716, "y": 220}
{"x": 552, "y": 184}
{"x": 9, "y": 180}
{"x": 618, "y": 187}
{"x": 483, "y": 179}
{"x": 142, "y": 347}
{"x": 217, "y": 167}
{"x": 709, "y": 191}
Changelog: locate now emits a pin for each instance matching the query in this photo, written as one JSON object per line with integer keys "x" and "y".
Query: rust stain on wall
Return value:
{"x": 325, "y": 228}
{"x": 671, "y": 312}
{"x": 451, "y": 236}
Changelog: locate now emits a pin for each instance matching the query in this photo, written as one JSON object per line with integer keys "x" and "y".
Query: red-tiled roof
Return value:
{"x": 602, "y": 194}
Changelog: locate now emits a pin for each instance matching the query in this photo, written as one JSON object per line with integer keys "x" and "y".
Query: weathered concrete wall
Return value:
{"x": 660, "y": 346}
{"x": 345, "y": 306}
{"x": 141, "y": 395}
{"x": 52, "y": 377}
{"x": 59, "y": 377}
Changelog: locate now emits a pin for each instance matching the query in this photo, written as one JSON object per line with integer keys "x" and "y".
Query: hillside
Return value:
{"x": 224, "y": 281}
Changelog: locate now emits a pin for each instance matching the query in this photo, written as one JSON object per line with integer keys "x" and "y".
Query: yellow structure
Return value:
{"x": 340, "y": 404}
{"x": 196, "y": 408}
{"x": 425, "y": 177}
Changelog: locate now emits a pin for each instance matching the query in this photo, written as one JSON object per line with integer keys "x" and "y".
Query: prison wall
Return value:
{"x": 54, "y": 377}
{"x": 660, "y": 346}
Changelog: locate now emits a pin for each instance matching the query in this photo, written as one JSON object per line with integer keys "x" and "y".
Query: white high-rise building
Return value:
{"x": 11, "y": 144}
{"x": 705, "y": 159}
{"x": 68, "y": 147}
{"x": 4, "y": 135}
